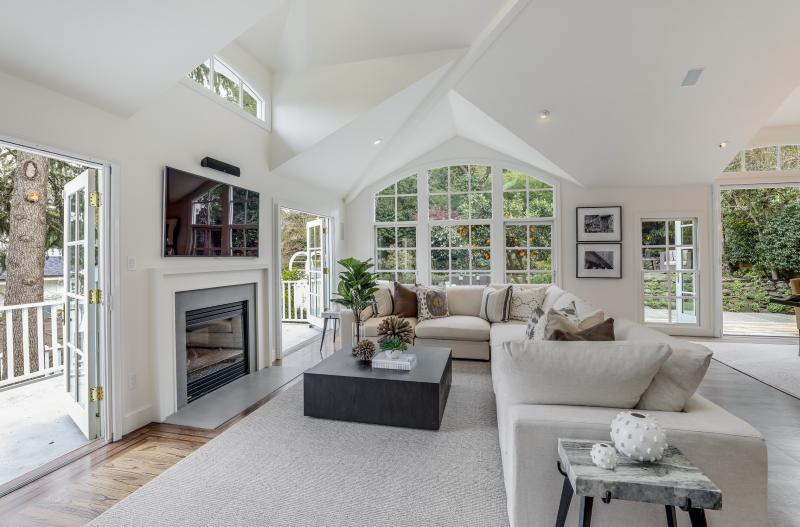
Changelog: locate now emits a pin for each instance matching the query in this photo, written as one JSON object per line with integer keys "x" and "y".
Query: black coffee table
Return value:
{"x": 341, "y": 387}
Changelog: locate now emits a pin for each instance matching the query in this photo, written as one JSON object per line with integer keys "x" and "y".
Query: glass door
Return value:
{"x": 316, "y": 245}
{"x": 82, "y": 298}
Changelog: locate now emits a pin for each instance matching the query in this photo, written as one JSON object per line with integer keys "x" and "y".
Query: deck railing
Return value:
{"x": 31, "y": 341}
{"x": 295, "y": 300}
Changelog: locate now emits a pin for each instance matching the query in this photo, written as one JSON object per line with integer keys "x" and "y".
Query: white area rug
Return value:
{"x": 279, "y": 468}
{"x": 775, "y": 364}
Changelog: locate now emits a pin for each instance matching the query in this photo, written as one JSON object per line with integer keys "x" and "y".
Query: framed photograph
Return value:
{"x": 599, "y": 260}
{"x": 599, "y": 224}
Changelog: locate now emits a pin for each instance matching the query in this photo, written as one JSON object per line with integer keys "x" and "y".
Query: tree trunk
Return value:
{"x": 26, "y": 250}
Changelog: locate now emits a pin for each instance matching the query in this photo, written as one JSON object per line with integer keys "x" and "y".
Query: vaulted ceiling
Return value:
{"x": 417, "y": 73}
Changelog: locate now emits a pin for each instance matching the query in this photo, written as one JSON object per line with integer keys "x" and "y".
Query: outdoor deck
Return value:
{"x": 34, "y": 427}
{"x": 759, "y": 324}
{"x": 293, "y": 334}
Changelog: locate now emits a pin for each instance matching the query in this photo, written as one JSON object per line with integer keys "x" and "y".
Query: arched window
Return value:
{"x": 218, "y": 77}
{"x": 466, "y": 224}
{"x": 766, "y": 158}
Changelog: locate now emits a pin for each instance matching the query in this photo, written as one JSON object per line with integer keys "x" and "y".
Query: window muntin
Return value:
{"x": 528, "y": 253}
{"x": 397, "y": 202}
{"x": 461, "y": 254}
{"x": 460, "y": 192}
{"x": 217, "y": 217}
{"x": 229, "y": 85}
{"x": 396, "y": 253}
{"x": 525, "y": 196}
{"x": 766, "y": 159}
{"x": 669, "y": 270}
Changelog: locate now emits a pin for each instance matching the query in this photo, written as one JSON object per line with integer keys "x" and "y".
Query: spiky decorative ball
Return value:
{"x": 364, "y": 350}
{"x": 604, "y": 456}
{"x": 393, "y": 326}
{"x": 638, "y": 436}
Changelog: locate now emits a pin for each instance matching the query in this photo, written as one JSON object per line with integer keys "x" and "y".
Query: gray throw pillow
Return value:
{"x": 431, "y": 302}
{"x": 496, "y": 304}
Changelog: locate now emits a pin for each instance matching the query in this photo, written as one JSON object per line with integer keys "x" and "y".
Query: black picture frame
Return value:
{"x": 581, "y": 236}
{"x": 614, "y": 273}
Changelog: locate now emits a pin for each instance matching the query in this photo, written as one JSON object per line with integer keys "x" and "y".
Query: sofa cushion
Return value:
{"x": 608, "y": 374}
{"x": 457, "y": 327}
{"x": 525, "y": 300}
{"x": 506, "y": 331}
{"x": 465, "y": 299}
{"x": 431, "y": 302}
{"x": 405, "y": 300}
{"x": 679, "y": 376}
{"x": 604, "y": 331}
{"x": 384, "y": 302}
{"x": 496, "y": 304}
{"x": 371, "y": 325}
{"x": 565, "y": 319}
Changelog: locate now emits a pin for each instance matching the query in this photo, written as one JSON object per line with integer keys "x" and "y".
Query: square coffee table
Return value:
{"x": 342, "y": 387}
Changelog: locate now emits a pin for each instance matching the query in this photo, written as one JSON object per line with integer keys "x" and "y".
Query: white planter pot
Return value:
{"x": 638, "y": 436}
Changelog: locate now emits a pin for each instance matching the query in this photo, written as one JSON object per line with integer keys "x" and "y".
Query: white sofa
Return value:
{"x": 730, "y": 451}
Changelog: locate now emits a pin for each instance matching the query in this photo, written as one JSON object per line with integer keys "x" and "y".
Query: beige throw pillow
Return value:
{"x": 496, "y": 304}
{"x": 525, "y": 300}
{"x": 678, "y": 378}
{"x": 612, "y": 374}
{"x": 384, "y": 303}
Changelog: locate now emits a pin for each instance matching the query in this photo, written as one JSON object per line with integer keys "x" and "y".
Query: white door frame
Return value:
{"x": 111, "y": 407}
{"x": 277, "y": 298}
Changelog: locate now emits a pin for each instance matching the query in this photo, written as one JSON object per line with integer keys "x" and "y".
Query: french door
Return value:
{"x": 318, "y": 268}
{"x": 82, "y": 296}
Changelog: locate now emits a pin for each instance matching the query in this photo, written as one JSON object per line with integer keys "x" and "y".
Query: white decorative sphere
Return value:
{"x": 604, "y": 456}
{"x": 638, "y": 436}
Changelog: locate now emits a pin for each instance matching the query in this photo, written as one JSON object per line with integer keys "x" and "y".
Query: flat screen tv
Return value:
{"x": 203, "y": 217}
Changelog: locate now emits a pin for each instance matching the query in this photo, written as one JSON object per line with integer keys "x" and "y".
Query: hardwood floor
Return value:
{"x": 84, "y": 489}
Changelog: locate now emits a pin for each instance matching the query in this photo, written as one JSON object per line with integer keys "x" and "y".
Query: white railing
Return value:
{"x": 47, "y": 340}
{"x": 295, "y": 300}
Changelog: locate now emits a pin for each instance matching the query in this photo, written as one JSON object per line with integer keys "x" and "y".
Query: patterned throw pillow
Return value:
{"x": 496, "y": 304}
{"x": 538, "y": 313}
{"x": 431, "y": 302}
{"x": 565, "y": 319}
{"x": 525, "y": 300}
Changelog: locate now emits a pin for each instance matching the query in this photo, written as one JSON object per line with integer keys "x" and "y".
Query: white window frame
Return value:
{"x": 742, "y": 155}
{"x": 497, "y": 222}
{"x": 397, "y": 268}
{"x": 527, "y": 247}
{"x": 263, "y": 114}
{"x": 395, "y": 224}
{"x": 469, "y": 273}
{"x": 695, "y": 246}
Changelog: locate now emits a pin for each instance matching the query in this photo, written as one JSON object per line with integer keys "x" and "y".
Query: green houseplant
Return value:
{"x": 393, "y": 346}
{"x": 356, "y": 290}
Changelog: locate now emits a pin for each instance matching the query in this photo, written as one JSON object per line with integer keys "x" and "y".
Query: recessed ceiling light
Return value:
{"x": 544, "y": 115}
{"x": 377, "y": 141}
{"x": 692, "y": 77}
{"x": 723, "y": 144}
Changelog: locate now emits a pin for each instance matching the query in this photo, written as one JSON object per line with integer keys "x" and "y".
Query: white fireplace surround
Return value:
{"x": 164, "y": 284}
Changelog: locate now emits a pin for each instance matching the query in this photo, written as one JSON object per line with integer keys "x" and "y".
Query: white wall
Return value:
{"x": 177, "y": 129}
{"x": 619, "y": 298}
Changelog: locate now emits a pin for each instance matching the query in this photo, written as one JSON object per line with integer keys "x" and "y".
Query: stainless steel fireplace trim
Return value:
{"x": 203, "y": 298}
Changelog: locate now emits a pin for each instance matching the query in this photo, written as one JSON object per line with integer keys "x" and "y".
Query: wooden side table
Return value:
{"x": 672, "y": 482}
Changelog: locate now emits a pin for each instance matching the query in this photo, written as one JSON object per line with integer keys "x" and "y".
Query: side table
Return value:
{"x": 672, "y": 482}
{"x": 334, "y": 317}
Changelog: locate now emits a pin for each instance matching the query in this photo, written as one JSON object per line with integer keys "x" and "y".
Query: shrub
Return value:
{"x": 779, "y": 245}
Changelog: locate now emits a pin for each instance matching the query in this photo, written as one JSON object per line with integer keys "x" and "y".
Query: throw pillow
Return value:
{"x": 496, "y": 304}
{"x": 606, "y": 374}
{"x": 525, "y": 300}
{"x": 678, "y": 378}
{"x": 431, "y": 302}
{"x": 604, "y": 331}
{"x": 384, "y": 303}
{"x": 405, "y": 300}
{"x": 566, "y": 319}
{"x": 537, "y": 315}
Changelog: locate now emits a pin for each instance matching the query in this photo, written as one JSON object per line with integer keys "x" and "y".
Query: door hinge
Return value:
{"x": 96, "y": 394}
{"x": 325, "y": 231}
{"x": 325, "y": 270}
{"x": 94, "y": 199}
{"x": 96, "y": 296}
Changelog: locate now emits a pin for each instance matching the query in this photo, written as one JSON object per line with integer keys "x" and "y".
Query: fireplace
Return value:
{"x": 215, "y": 339}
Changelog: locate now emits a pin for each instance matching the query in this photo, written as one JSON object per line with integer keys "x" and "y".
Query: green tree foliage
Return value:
{"x": 779, "y": 243}
{"x": 739, "y": 244}
{"x": 293, "y": 234}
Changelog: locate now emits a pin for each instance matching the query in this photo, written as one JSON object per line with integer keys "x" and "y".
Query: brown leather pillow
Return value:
{"x": 602, "y": 331}
{"x": 405, "y": 300}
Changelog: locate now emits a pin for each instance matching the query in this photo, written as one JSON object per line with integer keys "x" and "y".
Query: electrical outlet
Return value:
{"x": 131, "y": 263}
{"x": 132, "y": 381}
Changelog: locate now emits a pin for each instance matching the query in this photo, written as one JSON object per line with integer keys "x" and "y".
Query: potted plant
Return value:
{"x": 356, "y": 291}
{"x": 393, "y": 346}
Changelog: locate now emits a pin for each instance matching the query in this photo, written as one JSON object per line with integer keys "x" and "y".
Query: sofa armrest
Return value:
{"x": 728, "y": 450}
{"x": 346, "y": 319}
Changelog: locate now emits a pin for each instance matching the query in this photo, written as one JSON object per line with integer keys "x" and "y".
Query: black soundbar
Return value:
{"x": 216, "y": 164}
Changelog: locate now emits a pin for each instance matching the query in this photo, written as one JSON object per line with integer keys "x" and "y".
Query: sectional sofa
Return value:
{"x": 730, "y": 451}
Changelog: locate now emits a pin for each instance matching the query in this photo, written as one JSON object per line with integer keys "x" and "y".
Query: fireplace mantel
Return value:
{"x": 164, "y": 283}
